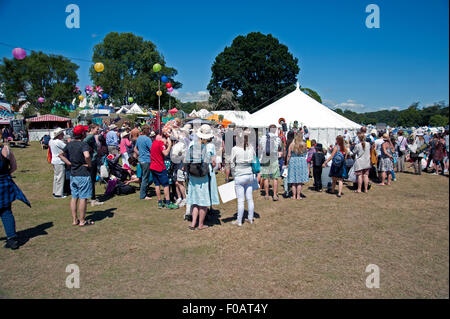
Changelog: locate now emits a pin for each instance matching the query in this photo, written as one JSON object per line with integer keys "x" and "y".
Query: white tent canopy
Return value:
{"x": 135, "y": 109}
{"x": 240, "y": 118}
{"x": 323, "y": 123}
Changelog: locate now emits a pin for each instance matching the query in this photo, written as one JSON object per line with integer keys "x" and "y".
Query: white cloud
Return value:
{"x": 198, "y": 96}
{"x": 349, "y": 104}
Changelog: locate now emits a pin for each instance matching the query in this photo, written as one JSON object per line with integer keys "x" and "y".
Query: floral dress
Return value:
{"x": 298, "y": 168}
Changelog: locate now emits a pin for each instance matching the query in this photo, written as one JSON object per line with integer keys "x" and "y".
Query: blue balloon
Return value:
{"x": 164, "y": 78}
{"x": 105, "y": 96}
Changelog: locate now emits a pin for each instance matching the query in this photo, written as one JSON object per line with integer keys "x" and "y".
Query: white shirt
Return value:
{"x": 56, "y": 147}
{"x": 378, "y": 144}
{"x": 241, "y": 161}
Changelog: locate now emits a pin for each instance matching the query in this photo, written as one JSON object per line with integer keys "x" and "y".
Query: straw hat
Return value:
{"x": 124, "y": 134}
{"x": 386, "y": 136}
{"x": 57, "y": 132}
{"x": 374, "y": 131}
{"x": 112, "y": 126}
{"x": 205, "y": 132}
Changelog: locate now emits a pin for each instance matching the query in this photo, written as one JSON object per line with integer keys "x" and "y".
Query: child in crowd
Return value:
{"x": 317, "y": 159}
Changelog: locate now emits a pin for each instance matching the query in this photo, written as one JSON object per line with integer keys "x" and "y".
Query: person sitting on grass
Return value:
{"x": 80, "y": 180}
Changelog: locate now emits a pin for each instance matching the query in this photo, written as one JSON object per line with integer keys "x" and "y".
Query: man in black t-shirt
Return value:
{"x": 80, "y": 181}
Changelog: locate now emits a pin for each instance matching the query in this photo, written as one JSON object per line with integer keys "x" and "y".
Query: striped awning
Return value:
{"x": 48, "y": 118}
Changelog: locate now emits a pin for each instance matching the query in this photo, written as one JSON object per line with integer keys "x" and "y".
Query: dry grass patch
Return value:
{"x": 318, "y": 247}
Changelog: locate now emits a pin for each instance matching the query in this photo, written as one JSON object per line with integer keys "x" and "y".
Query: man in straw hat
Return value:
{"x": 59, "y": 168}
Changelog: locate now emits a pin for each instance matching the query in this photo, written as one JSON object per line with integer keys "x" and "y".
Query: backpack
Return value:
{"x": 49, "y": 156}
{"x": 338, "y": 159}
{"x": 197, "y": 169}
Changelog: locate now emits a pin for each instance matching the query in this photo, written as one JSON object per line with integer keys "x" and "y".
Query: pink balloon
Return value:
{"x": 41, "y": 100}
{"x": 170, "y": 90}
{"x": 19, "y": 53}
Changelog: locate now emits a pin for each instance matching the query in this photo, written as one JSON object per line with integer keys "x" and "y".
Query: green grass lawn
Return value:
{"x": 318, "y": 247}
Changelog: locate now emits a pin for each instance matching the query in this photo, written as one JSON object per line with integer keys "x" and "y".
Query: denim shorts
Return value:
{"x": 81, "y": 187}
{"x": 160, "y": 178}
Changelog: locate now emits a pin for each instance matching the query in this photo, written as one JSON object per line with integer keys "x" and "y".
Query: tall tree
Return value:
{"x": 255, "y": 68}
{"x": 128, "y": 61}
{"x": 52, "y": 77}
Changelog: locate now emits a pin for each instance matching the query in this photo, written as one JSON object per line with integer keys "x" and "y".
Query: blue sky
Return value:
{"x": 349, "y": 65}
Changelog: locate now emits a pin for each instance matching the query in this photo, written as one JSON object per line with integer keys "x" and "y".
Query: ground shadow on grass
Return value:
{"x": 212, "y": 218}
{"x": 25, "y": 235}
{"x": 100, "y": 215}
{"x": 229, "y": 219}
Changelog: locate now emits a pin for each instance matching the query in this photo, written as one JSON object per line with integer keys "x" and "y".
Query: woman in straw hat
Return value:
{"x": 202, "y": 190}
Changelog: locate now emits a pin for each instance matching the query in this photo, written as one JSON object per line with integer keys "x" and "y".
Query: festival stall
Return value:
{"x": 45, "y": 124}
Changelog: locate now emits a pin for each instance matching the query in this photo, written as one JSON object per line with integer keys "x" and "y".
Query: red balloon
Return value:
{"x": 168, "y": 85}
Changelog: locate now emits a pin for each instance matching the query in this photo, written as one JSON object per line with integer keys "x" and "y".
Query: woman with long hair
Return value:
{"x": 362, "y": 162}
{"x": 386, "y": 161}
{"x": 297, "y": 166}
{"x": 242, "y": 156}
{"x": 289, "y": 140}
{"x": 337, "y": 170}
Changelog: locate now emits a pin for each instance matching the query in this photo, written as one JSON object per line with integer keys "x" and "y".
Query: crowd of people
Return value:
{"x": 182, "y": 161}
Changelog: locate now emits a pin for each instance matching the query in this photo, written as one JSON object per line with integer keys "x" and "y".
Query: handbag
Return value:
{"x": 256, "y": 165}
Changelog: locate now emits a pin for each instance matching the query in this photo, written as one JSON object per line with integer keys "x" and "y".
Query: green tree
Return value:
{"x": 128, "y": 61}
{"x": 52, "y": 77}
{"x": 410, "y": 117}
{"x": 438, "y": 120}
{"x": 255, "y": 68}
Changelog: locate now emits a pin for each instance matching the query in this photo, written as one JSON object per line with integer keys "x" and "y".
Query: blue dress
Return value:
{"x": 298, "y": 168}
{"x": 202, "y": 191}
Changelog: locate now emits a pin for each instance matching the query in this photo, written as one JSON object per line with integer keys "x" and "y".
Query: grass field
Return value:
{"x": 318, "y": 247}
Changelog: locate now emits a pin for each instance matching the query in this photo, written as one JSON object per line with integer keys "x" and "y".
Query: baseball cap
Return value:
{"x": 79, "y": 130}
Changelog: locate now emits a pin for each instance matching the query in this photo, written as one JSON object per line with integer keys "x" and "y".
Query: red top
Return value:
{"x": 157, "y": 157}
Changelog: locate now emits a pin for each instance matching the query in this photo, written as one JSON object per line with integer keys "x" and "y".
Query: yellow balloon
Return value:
{"x": 99, "y": 67}
{"x": 81, "y": 97}
{"x": 159, "y": 93}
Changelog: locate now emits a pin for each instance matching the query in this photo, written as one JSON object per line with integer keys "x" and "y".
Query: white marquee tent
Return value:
{"x": 240, "y": 118}
{"x": 135, "y": 109}
{"x": 323, "y": 123}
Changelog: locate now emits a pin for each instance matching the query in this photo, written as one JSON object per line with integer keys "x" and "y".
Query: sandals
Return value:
{"x": 191, "y": 228}
{"x": 276, "y": 199}
{"x": 87, "y": 223}
{"x": 78, "y": 221}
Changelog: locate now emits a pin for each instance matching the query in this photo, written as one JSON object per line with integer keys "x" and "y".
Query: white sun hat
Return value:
{"x": 57, "y": 132}
{"x": 205, "y": 132}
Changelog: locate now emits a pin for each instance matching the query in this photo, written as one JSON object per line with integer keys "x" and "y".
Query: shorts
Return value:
{"x": 363, "y": 172}
{"x": 81, "y": 187}
{"x": 181, "y": 175}
{"x": 160, "y": 178}
{"x": 270, "y": 170}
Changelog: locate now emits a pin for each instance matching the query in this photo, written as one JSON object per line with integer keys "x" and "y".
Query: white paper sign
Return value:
{"x": 227, "y": 192}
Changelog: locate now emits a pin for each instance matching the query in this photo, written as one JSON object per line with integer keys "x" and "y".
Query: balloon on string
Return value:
{"x": 164, "y": 78}
{"x": 105, "y": 96}
{"x": 130, "y": 99}
{"x": 41, "y": 100}
{"x": 19, "y": 53}
{"x": 170, "y": 90}
{"x": 159, "y": 93}
{"x": 81, "y": 97}
{"x": 99, "y": 67}
{"x": 156, "y": 67}
{"x": 168, "y": 85}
